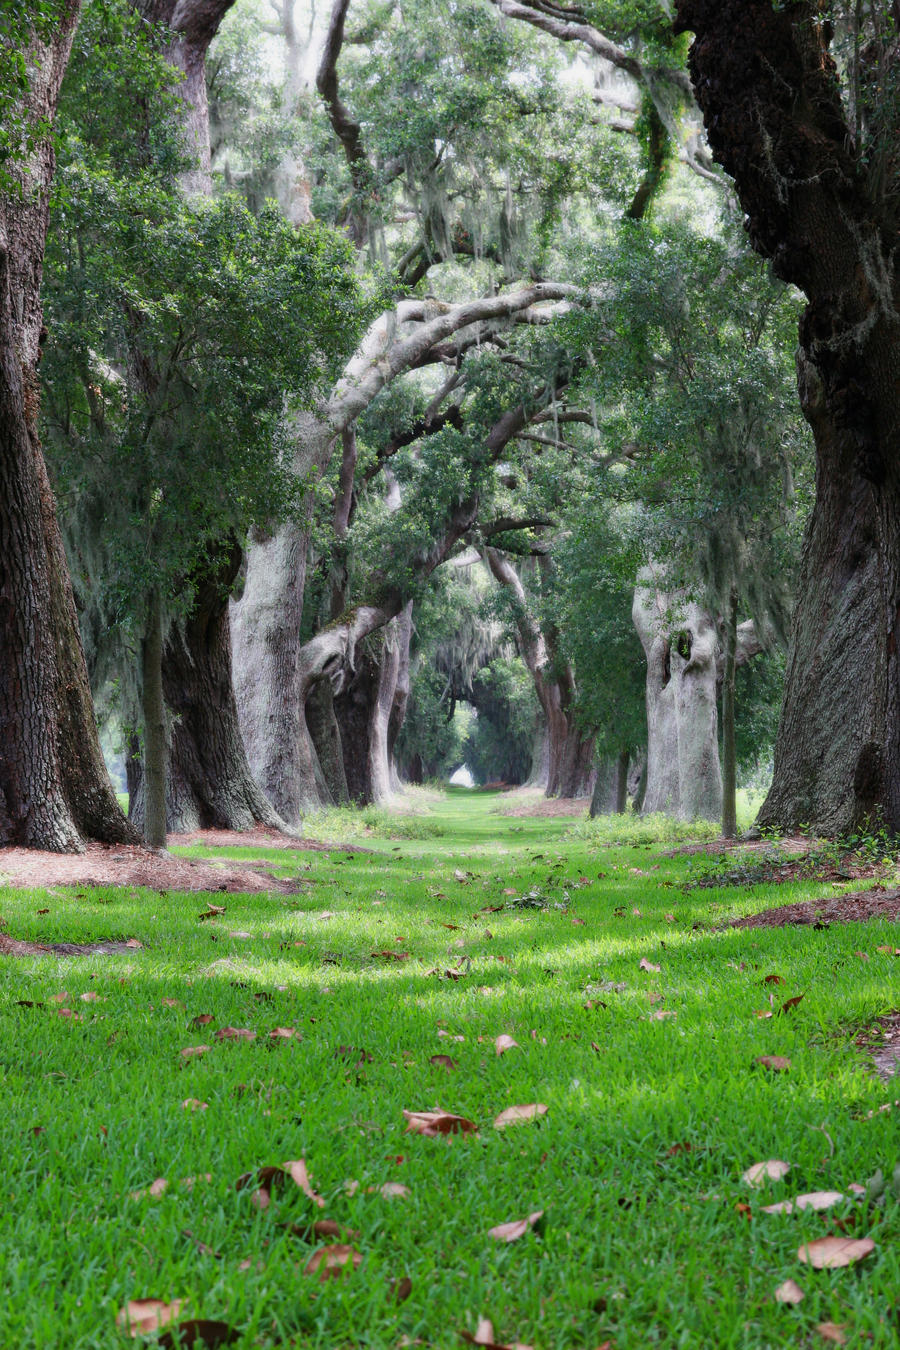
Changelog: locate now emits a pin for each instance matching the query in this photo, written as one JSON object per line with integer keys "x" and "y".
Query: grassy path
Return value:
{"x": 656, "y": 1104}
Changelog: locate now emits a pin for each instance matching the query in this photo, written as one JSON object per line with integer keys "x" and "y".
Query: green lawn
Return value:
{"x": 637, "y": 1164}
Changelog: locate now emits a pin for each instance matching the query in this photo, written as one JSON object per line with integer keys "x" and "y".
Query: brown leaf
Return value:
{"x": 194, "y": 1104}
{"x": 890, "y": 951}
{"x": 154, "y": 1190}
{"x": 774, "y": 979}
{"x": 133, "y": 942}
{"x": 830, "y": 1253}
{"x": 298, "y": 1174}
{"x": 454, "y": 927}
{"x": 504, "y": 1043}
{"x": 191, "y": 1050}
{"x": 863, "y": 956}
{"x": 141, "y": 1315}
{"x": 171, "y": 1002}
{"x": 89, "y": 997}
{"x": 511, "y": 1232}
{"x": 328, "y": 1262}
{"x": 212, "y": 912}
{"x": 443, "y": 1062}
{"x": 235, "y": 1034}
{"x": 394, "y": 1190}
{"x": 832, "y": 1331}
{"x": 773, "y": 1169}
{"x": 780, "y": 1207}
{"x": 322, "y": 1228}
{"x": 484, "y": 1336}
{"x": 819, "y": 1199}
{"x": 789, "y": 1292}
{"x": 434, "y": 1123}
{"x": 791, "y": 1003}
{"x": 644, "y": 964}
{"x": 60, "y": 998}
{"x": 762, "y": 1012}
{"x": 515, "y": 1115}
{"x": 596, "y": 1048}
{"x": 202, "y": 1020}
{"x": 401, "y": 1289}
{"x": 777, "y": 1063}
{"x": 283, "y": 1034}
{"x": 389, "y": 955}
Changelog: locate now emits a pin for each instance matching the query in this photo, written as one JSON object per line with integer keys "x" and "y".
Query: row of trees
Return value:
{"x": 471, "y": 298}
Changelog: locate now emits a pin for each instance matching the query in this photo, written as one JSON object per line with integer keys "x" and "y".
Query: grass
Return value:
{"x": 643, "y": 1245}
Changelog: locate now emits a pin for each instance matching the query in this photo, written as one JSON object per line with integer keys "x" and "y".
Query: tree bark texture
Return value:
{"x": 54, "y": 788}
{"x": 684, "y": 778}
{"x": 401, "y": 690}
{"x": 210, "y": 785}
{"x": 816, "y": 207}
{"x": 729, "y": 753}
{"x": 153, "y": 708}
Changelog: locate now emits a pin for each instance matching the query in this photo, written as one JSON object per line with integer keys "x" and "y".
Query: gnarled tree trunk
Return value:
{"x": 54, "y": 788}
{"x": 817, "y": 207}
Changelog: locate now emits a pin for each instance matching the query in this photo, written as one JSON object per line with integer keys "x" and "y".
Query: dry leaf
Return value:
{"x": 504, "y": 1043}
{"x": 831, "y": 1253}
{"x": 60, "y": 998}
{"x": 791, "y": 1003}
{"x": 89, "y": 997}
{"x": 771, "y": 1170}
{"x": 777, "y": 1063}
{"x": 194, "y": 1104}
{"x": 661, "y": 1014}
{"x": 433, "y": 1123}
{"x": 819, "y": 1199}
{"x": 198, "y": 1331}
{"x": 644, "y": 964}
{"x": 780, "y": 1207}
{"x": 789, "y": 1292}
{"x": 774, "y": 979}
{"x": 514, "y": 1115}
{"x": 328, "y": 1262}
{"x": 388, "y": 955}
{"x": 212, "y": 911}
{"x": 202, "y": 1020}
{"x": 154, "y": 1190}
{"x": 394, "y": 1190}
{"x": 283, "y": 1034}
{"x": 171, "y": 1002}
{"x": 832, "y": 1331}
{"x": 401, "y": 1289}
{"x": 141, "y": 1315}
{"x": 235, "y": 1034}
{"x": 443, "y": 1062}
{"x": 298, "y": 1173}
{"x": 511, "y": 1232}
{"x": 484, "y": 1336}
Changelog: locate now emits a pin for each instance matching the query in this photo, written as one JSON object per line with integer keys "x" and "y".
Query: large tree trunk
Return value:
{"x": 683, "y": 774}
{"x": 54, "y": 789}
{"x": 819, "y": 209}
{"x": 153, "y": 710}
{"x": 729, "y": 752}
{"x": 401, "y": 691}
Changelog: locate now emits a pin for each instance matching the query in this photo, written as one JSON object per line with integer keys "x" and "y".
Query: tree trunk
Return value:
{"x": 156, "y": 750}
{"x": 825, "y": 213}
{"x": 326, "y": 739}
{"x": 622, "y": 782}
{"x": 401, "y": 692}
{"x": 54, "y": 788}
{"x": 354, "y": 707}
{"x": 729, "y": 758}
{"x": 210, "y": 784}
{"x": 683, "y": 774}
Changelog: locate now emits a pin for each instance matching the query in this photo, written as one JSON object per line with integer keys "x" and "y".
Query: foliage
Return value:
{"x": 430, "y": 737}
{"x": 500, "y": 743}
{"x": 24, "y": 25}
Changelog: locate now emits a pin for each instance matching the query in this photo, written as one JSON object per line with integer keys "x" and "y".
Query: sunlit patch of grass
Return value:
{"x": 642, "y": 1245}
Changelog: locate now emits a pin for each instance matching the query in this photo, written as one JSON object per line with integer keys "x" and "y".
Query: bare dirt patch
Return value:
{"x": 259, "y": 837}
{"x": 852, "y": 907}
{"x": 881, "y": 1042}
{"x": 126, "y": 865}
{"x": 799, "y": 844}
{"x": 12, "y": 947}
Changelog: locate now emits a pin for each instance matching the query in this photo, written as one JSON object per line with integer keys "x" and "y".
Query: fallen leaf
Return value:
{"x": 443, "y": 1062}
{"x": 777, "y": 1063}
{"x": 661, "y": 1014}
{"x": 762, "y": 1012}
{"x": 154, "y": 1191}
{"x": 239, "y": 933}
{"x": 235, "y": 1034}
{"x": 194, "y": 1104}
{"x": 780, "y": 1207}
{"x": 744, "y": 1209}
{"x": 462, "y": 877}
{"x": 202, "y": 1020}
{"x": 389, "y": 955}
{"x": 322, "y": 1228}
{"x": 791, "y": 1003}
{"x": 133, "y": 942}
{"x": 863, "y": 956}
{"x": 401, "y": 1289}
{"x": 511, "y": 1232}
{"x": 789, "y": 1292}
{"x": 171, "y": 1002}
{"x": 774, "y": 979}
{"x": 484, "y": 1336}
{"x": 819, "y": 1199}
{"x": 434, "y": 1123}
{"x": 298, "y": 1173}
{"x": 60, "y": 998}
{"x": 771, "y": 1170}
{"x": 212, "y": 912}
{"x": 283, "y": 1034}
{"x": 832, "y": 1331}
{"x": 89, "y": 997}
{"x": 191, "y": 1050}
{"x": 515, "y": 1115}
{"x": 446, "y": 1034}
{"x": 504, "y": 1043}
{"x": 830, "y": 1253}
{"x": 890, "y": 951}
{"x": 644, "y": 964}
{"x": 141, "y": 1315}
{"x": 328, "y": 1262}
{"x": 394, "y": 1190}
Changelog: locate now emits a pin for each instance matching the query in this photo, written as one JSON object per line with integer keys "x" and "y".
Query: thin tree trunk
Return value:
{"x": 622, "y": 782}
{"x": 401, "y": 691}
{"x": 729, "y": 758}
{"x": 54, "y": 789}
{"x": 156, "y": 749}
